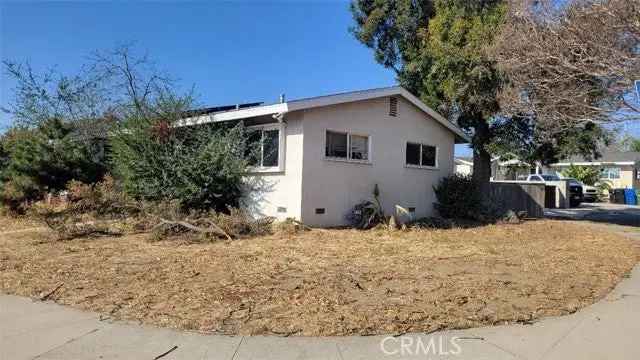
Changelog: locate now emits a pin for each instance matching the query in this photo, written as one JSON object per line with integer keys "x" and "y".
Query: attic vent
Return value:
{"x": 393, "y": 106}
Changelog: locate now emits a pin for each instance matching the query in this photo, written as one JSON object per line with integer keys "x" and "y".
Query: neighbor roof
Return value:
{"x": 467, "y": 160}
{"x": 326, "y": 100}
{"x": 608, "y": 157}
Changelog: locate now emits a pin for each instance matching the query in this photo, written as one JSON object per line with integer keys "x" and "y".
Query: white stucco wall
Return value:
{"x": 269, "y": 191}
{"x": 338, "y": 186}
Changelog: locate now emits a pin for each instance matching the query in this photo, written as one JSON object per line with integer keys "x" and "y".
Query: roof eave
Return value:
{"x": 460, "y": 136}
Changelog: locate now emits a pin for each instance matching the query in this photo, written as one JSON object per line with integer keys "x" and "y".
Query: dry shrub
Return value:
{"x": 206, "y": 225}
{"x": 104, "y": 209}
{"x": 290, "y": 226}
{"x": 104, "y": 199}
{"x": 92, "y": 209}
{"x": 67, "y": 223}
{"x": 239, "y": 223}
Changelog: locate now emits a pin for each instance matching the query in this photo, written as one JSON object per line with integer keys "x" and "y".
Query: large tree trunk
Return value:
{"x": 481, "y": 157}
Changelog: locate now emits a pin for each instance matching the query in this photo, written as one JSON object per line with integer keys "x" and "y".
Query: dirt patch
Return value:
{"x": 328, "y": 282}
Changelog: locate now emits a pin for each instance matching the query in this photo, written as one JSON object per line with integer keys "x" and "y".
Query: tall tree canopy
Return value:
{"x": 531, "y": 78}
{"x": 439, "y": 50}
{"x": 572, "y": 64}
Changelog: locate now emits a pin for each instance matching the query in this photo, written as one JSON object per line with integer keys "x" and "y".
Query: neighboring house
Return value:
{"x": 513, "y": 169}
{"x": 618, "y": 168}
{"x": 463, "y": 165}
{"x": 323, "y": 155}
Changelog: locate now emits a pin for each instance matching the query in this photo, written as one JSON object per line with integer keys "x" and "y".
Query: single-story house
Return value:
{"x": 323, "y": 155}
{"x": 618, "y": 168}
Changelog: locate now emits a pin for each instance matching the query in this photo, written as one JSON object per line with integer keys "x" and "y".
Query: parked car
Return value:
{"x": 575, "y": 187}
{"x": 589, "y": 193}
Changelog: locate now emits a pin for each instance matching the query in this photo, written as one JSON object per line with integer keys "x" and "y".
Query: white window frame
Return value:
{"x": 425, "y": 167}
{"x": 608, "y": 177}
{"x": 281, "y": 148}
{"x": 348, "y": 158}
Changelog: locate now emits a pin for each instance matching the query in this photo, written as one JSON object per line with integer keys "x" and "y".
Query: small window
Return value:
{"x": 393, "y": 106}
{"x": 421, "y": 155}
{"x": 347, "y": 146}
{"x": 264, "y": 148}
{"x": 610, "y": 173}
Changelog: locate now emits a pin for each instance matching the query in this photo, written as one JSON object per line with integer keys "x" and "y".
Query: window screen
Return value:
{"x": 263, "y": 147}
{"x": 428, "y": 155}
{"x": 421, "y": 155}
{"x": 359, "y": 147}
{"x": 336, "y": 145}
{"x": 270, "y": 147}
{"x": 413, "y": 154}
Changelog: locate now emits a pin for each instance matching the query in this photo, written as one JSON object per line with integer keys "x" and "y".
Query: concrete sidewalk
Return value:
{"x": 606, "y": 330}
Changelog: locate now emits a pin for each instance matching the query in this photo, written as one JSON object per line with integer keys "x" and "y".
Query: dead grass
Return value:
{"x": 327, "y": 282}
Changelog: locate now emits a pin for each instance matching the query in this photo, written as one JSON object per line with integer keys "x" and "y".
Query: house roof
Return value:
{"x": 608, "y": 157}
{"x": 326, "y": 100}
{"x": 466, "y": 160}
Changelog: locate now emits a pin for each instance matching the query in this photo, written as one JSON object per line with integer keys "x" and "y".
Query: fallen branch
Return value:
{"x": 47, "y": 295}
{"x": 166, "y": 353}
{"x": 214, "y": 229}
{"x": 302, "y": 225}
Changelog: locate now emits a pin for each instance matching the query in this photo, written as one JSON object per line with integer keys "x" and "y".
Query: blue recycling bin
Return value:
{"x": 630, "y": 197}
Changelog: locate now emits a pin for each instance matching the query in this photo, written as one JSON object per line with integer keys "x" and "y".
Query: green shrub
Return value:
{"x": 589, "y": 175}
{"x": 200, "y": 166}
{"x": 44, "y": 159}
{"x": 458, "y": 198}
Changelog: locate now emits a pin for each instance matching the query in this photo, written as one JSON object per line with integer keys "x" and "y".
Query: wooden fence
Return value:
{"x": 520, "y": 196}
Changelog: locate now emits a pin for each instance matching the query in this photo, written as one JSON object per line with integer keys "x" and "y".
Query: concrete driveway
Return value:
{"x": 627, "y": 215}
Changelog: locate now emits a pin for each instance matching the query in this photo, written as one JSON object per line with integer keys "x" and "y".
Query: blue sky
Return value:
{"x": 230, "y": 51}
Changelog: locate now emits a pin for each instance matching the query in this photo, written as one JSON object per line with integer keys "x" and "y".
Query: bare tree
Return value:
{"x": 38, "y": 97}
{"x": 570, "y": 64}
{"x": 135, "y": 82}
{"x": 111, "y": 84}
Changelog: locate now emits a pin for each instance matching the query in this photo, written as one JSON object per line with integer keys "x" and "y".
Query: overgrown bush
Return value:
{"x": 200, "y": 166}
{"x": 44, "y": 159}
{"x": 589, "y": 175}
{"x": 458, "y": 197}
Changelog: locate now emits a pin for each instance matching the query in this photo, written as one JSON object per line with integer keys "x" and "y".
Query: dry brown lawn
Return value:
{"x": 327, "y": 282}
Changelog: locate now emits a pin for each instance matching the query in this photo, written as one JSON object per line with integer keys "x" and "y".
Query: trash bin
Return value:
{"x": 616, "y": 196}
{"x": 630, "y": 197}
